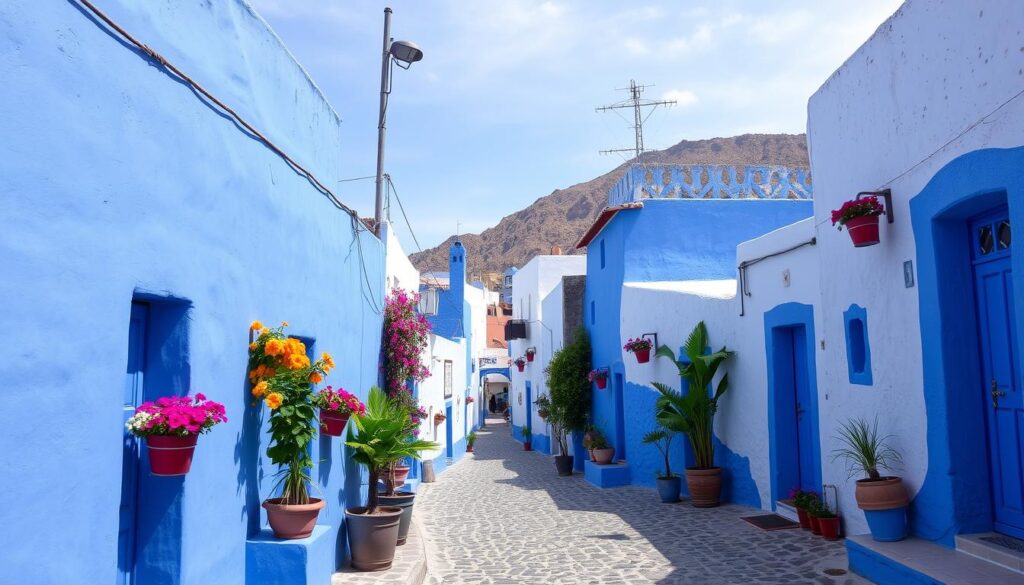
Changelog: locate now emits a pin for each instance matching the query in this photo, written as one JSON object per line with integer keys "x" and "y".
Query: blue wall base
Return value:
{"x": 882, "y": 569}
{"x": 541, "y": 443}
{"x": 606, "y": 476}
{"x": 306, "y": 561}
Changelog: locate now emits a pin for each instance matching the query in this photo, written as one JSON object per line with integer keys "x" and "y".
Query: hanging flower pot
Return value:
{"x": 170, "y": 455}
{"x": 530, "y": 353}
{"x": 860, "y": 217}
{"x": 520, "y": 363}
{"x": 336, "y": 406}
{"x": 439, "y": 418}
{"x": 171, "y": 426}
{"x": 602, "y": 383}
{"x": 639, "y": 347}
{"x": 600, "y": 377}
{"x": 332, "y": 424}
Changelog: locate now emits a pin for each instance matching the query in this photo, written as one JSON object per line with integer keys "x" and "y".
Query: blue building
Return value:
{"x": 142, "y": 230}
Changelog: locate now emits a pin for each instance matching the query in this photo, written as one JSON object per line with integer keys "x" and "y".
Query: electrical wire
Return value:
{"x": 391, "y": 185}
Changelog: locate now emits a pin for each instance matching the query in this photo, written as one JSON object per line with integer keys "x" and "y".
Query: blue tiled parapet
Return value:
{"x": 605, "y": 476}
{"x": 710, "y": 182}
{"x": 305, "y": 561}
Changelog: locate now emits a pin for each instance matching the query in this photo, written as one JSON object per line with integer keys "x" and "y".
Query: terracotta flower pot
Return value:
{"x": 863, "y": 230}
{"x": 292, "y": 520}
{"x": 705, "y": 486}
{"x": 602, "y": 383}
{"x": 829, "y": 528}
{"x": 405, "y": 501}
{"x": 642, "y": 356}
{"x": 469, "y": 448}
{"x": 815, "y": 524}
{"x": 332, "y": 423}
{"x": 603, "y": 456}
{"x": 169, "y": 455}
{"x": 805, "y": 518}
{"x": 529, "y": 357}
{"x": 884, "y": 502}
{"x": 401, "y": 474}
{"x": 372, "y": 538}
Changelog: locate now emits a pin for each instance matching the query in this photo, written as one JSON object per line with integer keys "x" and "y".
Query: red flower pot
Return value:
{"x": 815, "y": 526}
{"x": 521, "y": 366}
{"x": 401, "y": 474}
{"x": 529, "y": 357}
{"x": 602, "y": 383}
{"x": 863, "y": 230}
{"x": 332, "y": 423}
{"x": 170, "y": 456}
{"x": 829, "y": 528}
{"x": 527, "y": 446}
{"x": 805, "y": 518}
{"x": 642, "y": 356}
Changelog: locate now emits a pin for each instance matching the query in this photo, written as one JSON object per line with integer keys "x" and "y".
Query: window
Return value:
{"x": 447, "y": 379}
{"x": 602, "y": 254}
{"x": 858, "y": 349}
{"x": 593, "y": 313}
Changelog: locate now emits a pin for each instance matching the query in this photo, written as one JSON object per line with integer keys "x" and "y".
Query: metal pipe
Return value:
{"x": 385, "y": 65}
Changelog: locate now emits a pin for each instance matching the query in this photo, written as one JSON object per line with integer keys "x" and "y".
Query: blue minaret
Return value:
{"x": 449, "y": 321}
{"x": 457, "y": 274}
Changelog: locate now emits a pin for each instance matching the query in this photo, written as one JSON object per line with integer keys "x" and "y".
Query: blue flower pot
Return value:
{"x": 668, "y": 489}
{"x": 887, "y": 525}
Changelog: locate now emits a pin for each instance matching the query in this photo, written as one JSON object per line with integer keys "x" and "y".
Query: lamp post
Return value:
{"x": 404, "y": 53}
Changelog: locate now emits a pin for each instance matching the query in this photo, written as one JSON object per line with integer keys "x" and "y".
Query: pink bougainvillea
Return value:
{"x": 405, "y": 337}
{"x": 177, "y": 416}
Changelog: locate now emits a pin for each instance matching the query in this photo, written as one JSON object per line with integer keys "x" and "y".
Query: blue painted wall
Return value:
{"x": 858, "y": 345}
{"x": 119, "y": 181}
{"x": 665, "y": 240}
{"x": 452, "y": 319}
{"x": 954, "y": 497}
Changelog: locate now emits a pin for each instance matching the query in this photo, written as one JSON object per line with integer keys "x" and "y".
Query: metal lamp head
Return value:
{"x": 406, "y": 51}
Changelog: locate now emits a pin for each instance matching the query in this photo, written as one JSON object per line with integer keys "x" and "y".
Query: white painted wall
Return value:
{"x": 399, "y": 271}
{"x": 432, "y": 391}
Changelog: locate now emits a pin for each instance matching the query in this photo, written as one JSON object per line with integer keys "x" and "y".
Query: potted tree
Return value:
{"x": 860, "y": 216}
{"x": 284, "y": 377}
{"x": 171, "y": 427}
{"x": 527, "y": 435}
{"x": 641, "y": 348}
{"x": 668, "y": 483}
{"x": 694, "y": 412}
{"x": 883, "y": 498}
{"x": 380, "y": 438}
{"x": 568, "y": 400}
{"x": 470, "y": 441}
{"x": 336, "y": 406}
{"x": 599, "y": 376}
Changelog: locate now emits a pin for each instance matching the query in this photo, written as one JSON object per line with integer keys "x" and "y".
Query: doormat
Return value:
{"x": 1005, "y": 542}
{"x": 771, "y": 522}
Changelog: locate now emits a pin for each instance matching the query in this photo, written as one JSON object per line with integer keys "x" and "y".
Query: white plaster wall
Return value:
{"x": 431, "y": 390}
{"x": 399, "y": 271}
{"x": 932, "y": 84}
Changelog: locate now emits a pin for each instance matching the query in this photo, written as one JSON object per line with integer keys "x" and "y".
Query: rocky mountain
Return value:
{"x": 561, "y": 218}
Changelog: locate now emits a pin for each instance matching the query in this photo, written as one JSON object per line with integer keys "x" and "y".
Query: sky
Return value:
{"x": 501, "y": 110}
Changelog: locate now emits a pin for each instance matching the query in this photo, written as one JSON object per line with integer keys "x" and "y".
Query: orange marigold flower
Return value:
{"x": 328, "y": 360}
{"x": 284, "y": 323}
{"x": 274, "y": 347}
{"x": 252, "y": 346}
{"x": 255, "y": 326}
{"x": 274, "y": 400}
{"x": 259, "y": 390}
{"x": 316, "y": 378}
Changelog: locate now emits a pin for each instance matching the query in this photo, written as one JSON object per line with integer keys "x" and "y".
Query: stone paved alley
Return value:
{"x": 502, "y": 515}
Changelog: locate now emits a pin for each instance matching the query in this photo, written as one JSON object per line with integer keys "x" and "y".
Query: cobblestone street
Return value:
{"x": 503, "y": 515}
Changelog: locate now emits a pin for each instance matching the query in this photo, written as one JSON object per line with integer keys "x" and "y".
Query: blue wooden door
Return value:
{"x": 1000, "y": 387}
{"x": 805, "y": 430}
{"x": 529, "y": 408}
{"x": 133, "y": 385}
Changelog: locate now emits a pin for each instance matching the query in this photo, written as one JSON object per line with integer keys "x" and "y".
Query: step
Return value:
{"x": 787, "y": 510}
{"x": 915, "y": 560}
{"x": 982, "y": 546}
{"x": 606, "y": 476}
{"x": 304, "y": 561}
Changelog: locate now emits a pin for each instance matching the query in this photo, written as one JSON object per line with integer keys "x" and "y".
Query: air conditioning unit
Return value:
{"x": 515, "y": 329}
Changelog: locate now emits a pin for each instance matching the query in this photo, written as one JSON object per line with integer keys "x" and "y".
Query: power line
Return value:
{"x": 638, "y": 104}
{"x": 401, "y": 207}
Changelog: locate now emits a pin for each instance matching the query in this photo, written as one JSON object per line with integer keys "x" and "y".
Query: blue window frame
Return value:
{"x": 858, "y": 347}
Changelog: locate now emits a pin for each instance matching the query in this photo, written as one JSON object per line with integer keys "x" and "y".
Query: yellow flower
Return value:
{"x": 273, "y": 400}
{"x": 255, "y": 326}
{"x": 316, "y": 378}
{"x": 284, "y": 323}
{"x": 274, "y": 347}
{"x": 259, "y": 389}
{"x": 328, "y": 361}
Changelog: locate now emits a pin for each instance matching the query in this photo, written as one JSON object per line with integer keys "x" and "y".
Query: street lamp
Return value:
{"x": 404, "y": 53}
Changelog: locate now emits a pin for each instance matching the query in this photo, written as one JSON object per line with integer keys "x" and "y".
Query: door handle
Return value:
{"x": 996, "y": 393}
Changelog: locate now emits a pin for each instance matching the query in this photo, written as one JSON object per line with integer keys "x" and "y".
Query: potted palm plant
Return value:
{"x": 668, "y": 483}
{"x": 283, "y": 377}
{"x": 694, "y": 412}
{"x": 380, "y": 438}
{"x": 883, "y": 498}
{"x": 470, "y": 441}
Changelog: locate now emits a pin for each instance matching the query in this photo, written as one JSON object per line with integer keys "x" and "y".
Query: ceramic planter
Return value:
{"x": 829, "y": 528}
{"x": 401, "y": 474}
{"x": 642, "y": 356}
{"x": 563, "y": 463}
{"x": 602, "y": 383}
{"x": 372, "y": 538}
{"x": 170, "y": 456}
{"x": 669, "y": 488}
{"x": 332, "y": 423}
{"x": 884, "y": 502}
{"x": 405, "y": 501}
{"x": 603, "y": 456}
{"x": 705, "y": 486}
{"x": 292, "y": 520}
{"x": 863, "y": 230}
{"x": 805, "y": 518}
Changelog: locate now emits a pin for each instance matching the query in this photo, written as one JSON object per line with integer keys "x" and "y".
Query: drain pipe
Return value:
{"x": 744, "y": 291}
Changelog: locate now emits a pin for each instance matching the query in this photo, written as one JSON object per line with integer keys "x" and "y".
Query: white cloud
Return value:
{"x": 683, "y": 97}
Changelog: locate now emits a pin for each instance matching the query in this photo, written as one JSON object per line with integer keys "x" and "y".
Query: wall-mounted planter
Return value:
{"x": 863, "y": 230}
{"x": 642, "y": 356}
{"x": 530, "y": 355}
{"x": 602, "y": 383}
{"x": 170, "y": 456}
{"x": 332, "y": 423}
{"x": 520, "y": 366}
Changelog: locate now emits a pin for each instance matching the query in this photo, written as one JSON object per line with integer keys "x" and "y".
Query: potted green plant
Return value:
{"x": 283, "y": 377}
{"x": 568, "y": 399}
{"x": 380, "y": 438}
{"x": 883, "y": 498}
{"x": 527, "y": 435}
{"x": 669, "y": 484}
{"x": 543, "y": 407}
{"x": 470, "y": 441}
{"x": 828, "y": 522}
{"x": 602, "y": 451}
{"x": 801, "y": 501}
{"x": 694, "y": 412}
{"x": 814, "y": 510}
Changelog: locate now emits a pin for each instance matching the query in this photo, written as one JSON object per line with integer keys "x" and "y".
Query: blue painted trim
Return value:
{"x": 858, "y": 345}
{"x": 954, "y": 497}
{"x": 882, "y": 569}
{"x": 782, "y": 316}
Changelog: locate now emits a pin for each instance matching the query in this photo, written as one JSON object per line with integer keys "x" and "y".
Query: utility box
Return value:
{"x": 515, "y": 329}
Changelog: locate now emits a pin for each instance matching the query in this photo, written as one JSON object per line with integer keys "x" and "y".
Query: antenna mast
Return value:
{"x": 639, "y": 117}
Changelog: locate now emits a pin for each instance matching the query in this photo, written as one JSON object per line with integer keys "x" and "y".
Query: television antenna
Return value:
{"x": 639, "y": 106}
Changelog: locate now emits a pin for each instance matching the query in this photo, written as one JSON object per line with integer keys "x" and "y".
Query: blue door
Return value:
{"x": 618, "y": 390}
{"x": 795, "y": 439}
{"x": 448, "y": 430}
{"x": 529, "y": 408}
{"x": 1000, "y": 385}
{"x": 133, "y": 385}
{"x": 805, "y": 431}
